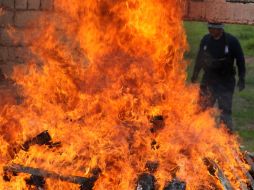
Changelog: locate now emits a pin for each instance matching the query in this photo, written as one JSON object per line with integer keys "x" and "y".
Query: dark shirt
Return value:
{"x": 225, "y": 47}
{"x": 215, "y": 47}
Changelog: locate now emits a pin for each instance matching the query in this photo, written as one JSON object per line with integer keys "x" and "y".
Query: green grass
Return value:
{"x": 196, "y": 31}
{"x": 243, "y": 105}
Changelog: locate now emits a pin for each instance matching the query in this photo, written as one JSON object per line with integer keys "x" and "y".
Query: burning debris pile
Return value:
{"x": 107, "y": 87}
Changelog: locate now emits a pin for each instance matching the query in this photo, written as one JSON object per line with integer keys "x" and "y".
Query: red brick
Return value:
{"x": 17, "y": 54}
{"x": 7, "y": 68}
{"x": 7, "y": 3}
{"x": 34, "y": 4}
{"x": 47, "y": 4}
{"x": 26, "y": 18}
{"x": 197, "y": 9}
{"x": 3, "y": 54}
{"x": 5, "y": 39}
{"x": 25, "y": 36}
{"x": 6, "y": 18}
{"x": 21, "y": 4}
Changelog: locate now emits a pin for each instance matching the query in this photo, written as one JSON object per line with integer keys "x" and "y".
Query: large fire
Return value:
{"x": 101, "y": 71}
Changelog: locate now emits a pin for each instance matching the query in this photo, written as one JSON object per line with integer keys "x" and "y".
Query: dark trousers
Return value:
{"x": 222, "y": 92}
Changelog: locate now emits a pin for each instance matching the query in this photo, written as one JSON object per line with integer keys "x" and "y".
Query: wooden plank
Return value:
{"x": 243, "y": 185}
{"x": 43, "y": 138}
{"x": 250, "y": 178}
{"x": 249, "y": 160}
{"x": 215, "y": 170}
{"x": 17, "y": 168}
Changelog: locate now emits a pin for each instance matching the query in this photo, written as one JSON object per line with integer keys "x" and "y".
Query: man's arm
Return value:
{"x": 240, "y": 62}
{"x": 198, "y": 63}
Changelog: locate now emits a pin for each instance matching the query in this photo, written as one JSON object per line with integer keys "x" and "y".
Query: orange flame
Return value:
{"x": 101, "y": 70}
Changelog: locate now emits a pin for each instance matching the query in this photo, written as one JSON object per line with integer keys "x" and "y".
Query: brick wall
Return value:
{"x": 16, "y": 18}
{"x": 220, "y": 10}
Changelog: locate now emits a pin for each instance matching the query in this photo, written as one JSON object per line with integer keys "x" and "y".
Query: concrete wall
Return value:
{"x": 15, "y": 17}
{"x": 220, "y": 10}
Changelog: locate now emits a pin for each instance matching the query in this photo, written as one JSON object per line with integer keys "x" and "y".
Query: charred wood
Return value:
{"x": 250, "y": 184}
{"x": 216, "y": 171}
{"x": 7, "y": 175}
{"x": 90, "y": 183}
{"x": 86, "y": 183}
{"x": 37, "y": 181}
{"x": 146, "y": 182}
{"x": 157, "y": 123}
{"x": 249, "y": 160}
{"x": 152, "y": 166}
{"x": 175, "y": 184}
{"x": 243, "y": 185}
{"x": 154, "y": 145}
{"x": 43, "y": 138}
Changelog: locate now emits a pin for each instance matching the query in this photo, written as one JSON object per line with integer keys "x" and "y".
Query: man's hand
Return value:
{"x": 241, "y": 84}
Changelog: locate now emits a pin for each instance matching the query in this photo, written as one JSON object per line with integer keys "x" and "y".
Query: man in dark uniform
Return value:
{"x": 217, "y": 54}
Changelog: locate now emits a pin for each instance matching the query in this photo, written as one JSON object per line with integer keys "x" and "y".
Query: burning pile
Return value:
{"x": 107, "y": 87}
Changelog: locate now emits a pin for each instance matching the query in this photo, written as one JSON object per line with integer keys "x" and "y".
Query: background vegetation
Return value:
{"x": 243, "y": 105}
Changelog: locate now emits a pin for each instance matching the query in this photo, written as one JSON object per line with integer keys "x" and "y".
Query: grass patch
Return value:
{"x": 196, "y": 30}
{"x": 247, "y": 139}
{"x": 243, "y": 104}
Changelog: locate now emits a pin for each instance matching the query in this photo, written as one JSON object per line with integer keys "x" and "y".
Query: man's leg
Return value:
{"x": 225, "y": 105}
{"x": 206, "y": 97}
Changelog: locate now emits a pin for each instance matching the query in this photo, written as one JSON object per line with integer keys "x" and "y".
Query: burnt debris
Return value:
{"x": 157, "y": 123}
{"x": 154, "y": 145}
{"x": 36, "y": 181}
{"x": 146, "y": 181}
{"x": 249, "y": 159}
{"x": 43, "y": 138}
{"x": 152, "y": 166}
{"x": 250, "y": 174}
{"x": 38, "y": 176}
{"x": 175, "y": 184}
{"x": 90, "y": 183}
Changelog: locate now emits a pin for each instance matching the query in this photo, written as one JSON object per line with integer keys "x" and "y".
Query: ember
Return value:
{"x": 108, "y": 81}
